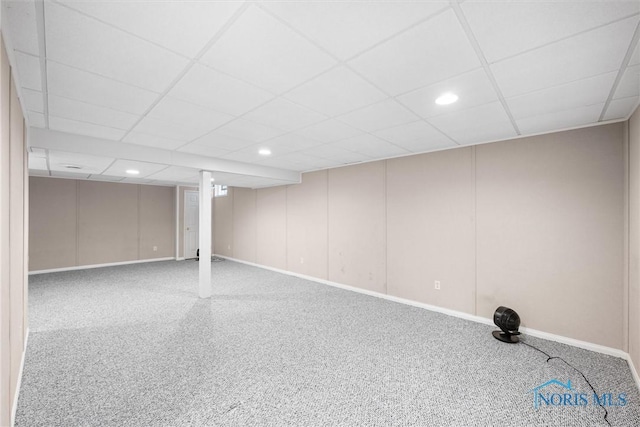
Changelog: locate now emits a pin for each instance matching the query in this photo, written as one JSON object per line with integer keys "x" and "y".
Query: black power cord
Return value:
{"x": 549, "y": 357}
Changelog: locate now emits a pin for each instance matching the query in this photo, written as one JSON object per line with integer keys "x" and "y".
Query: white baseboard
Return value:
{"x": 110, "y": 264}
{"x": 634, "y": 372}
{"x": 528, "y": 331}
{"x": 180, "y": 258}
{"x": 14, "y": 408}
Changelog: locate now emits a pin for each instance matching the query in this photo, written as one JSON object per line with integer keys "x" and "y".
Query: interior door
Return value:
{"x": 191, "y": 223}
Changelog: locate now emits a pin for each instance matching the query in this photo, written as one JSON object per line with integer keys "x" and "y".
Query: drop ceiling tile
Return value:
{"x": 120, "y": 167}
{"x": 621, "y": 108}
{"x": 370, "y": 146}
{"x": 40, "y": 153}
{"x": 83, "y": 128}
{"x": 585, "y": 55}
{"x": 83, "y": 112}
{"x": 69, "y": 175}
{"x": 336, "y": 92}
{"x": 561, "y": 120}
{"x": 174, "y": 173}
{"x": 85, "y": 43}
{"x": 581, "y": 93}
{"x": 90, "y": 88}
{"x": 152, "y": 141}
{"x": 283, "y": 114}
{"x": 184, "y": 27}
{"x": 289, "y": 143}
{"x": 29, "y": 71}
{"x": 328, "y": 131}
{"x": 285, "y": 58}
{"x": 136, "y": 181}
{"x": 58, "y": 160}
{"x": 246, "y": 155}
{"x": 38, "y": 163}
{"x": 635, "y": 57}
{"x": 416, "y": 137}
{"x": 507, "y": 28}
{"x": 628, "y": 85}
{"x": 248, "y": 130}
{"x": 360, "y": 24}
{"x": 38, "y": 172}
{"x": 487, "y": 122}
{"x": 338, "y": 154}
{"x": 36, "y": 119}
{"x": 381, "y": 115}
{"x": 167, "y": 129}
{"x": 200, "y": 119}
{"x": 105, "y": 178}
{"x": 20, "y": 22}
{"x": 473, "y": 89}
{"x": 33, "y": 100}
{"x": 218, "y": 91}
{"x": 216, "y": 140}
{"x": 423, "y": 55}
{"x": 203, "y": 150}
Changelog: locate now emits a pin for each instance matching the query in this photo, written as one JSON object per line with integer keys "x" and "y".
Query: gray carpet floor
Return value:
{"x": 134, "y": 346}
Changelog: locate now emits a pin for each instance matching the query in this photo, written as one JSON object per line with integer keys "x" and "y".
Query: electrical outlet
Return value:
{"x": 437, "y": 284}
{"x": 155, "y": 249}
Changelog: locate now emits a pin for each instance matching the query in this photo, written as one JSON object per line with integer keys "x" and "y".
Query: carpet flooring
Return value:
{"x": 134, "y": 346}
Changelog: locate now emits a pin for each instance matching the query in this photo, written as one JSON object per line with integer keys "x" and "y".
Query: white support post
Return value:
{"x": 204, "y": 239}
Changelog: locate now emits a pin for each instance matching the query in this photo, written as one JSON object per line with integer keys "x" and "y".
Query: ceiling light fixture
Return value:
{"x": 447, "y": 98}
{"x": 264, "y": 152}
{"x": 133, "y": 172}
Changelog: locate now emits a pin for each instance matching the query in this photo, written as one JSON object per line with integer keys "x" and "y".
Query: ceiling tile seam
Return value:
{"x": 579, "y": 33}
{"x": 122, "y": 30}
{"x": 236, "y": 15}
{"x": 462, "y": 19}
{"x": 453, "y": 77}
{"x": 42, "y": 47}
{"x": 85, "y": 121}
{"x": 621, "y": 70}
{"x": 95, "y": 105}
{"x": 377, "y": 130}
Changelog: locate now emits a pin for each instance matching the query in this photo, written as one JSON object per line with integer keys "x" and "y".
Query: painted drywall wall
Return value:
{"x": 271, "y": 227}
{"x": 13, "y": 241}
{"x": 222, "y": 224}
{"x": 76, "y": 222}
{"x": 534, "y": 223}
{"x": 634, "y": 239}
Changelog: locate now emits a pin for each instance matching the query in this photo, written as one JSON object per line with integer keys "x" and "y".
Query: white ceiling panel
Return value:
{"x": 258, "y": 38}
{"x": 473, "y": 89}
{"x": 248, "y": 130}
{"x": 33, "y": 100}
{"x": 152, "y": 141}
{"x": 506, "y": 28}
{"x": 199, "y": 119}
{"x": 621, "y": 108}
{"x": 38, "y": 172}
{"x": 284, "y": 114}
{"x": 59, "y": 160}
{"x": 38, "y": 163}
{"x": 289, "y": 143}
{"x": 105, "y": 178}
{"x": 203, "y": 150}
{"x": 137, "y": 180}
{"x": 416, "y": 137}
{"x": 560, "y": 120}
{"x": 336, "y": 92}
{"x": 223, "y": 142}
{"x": 83, "y": 112}
{"x": 479, "y": 124}
{"x": 36, "y": 119}
{"x": 329, "y": 131}
{"x": 425, "y": 54}
{"x": 381, "y": 115}
{"x": 29, "y": 71}
{"x": 581, "y": 93}
{"x": 340, "y": 155}
{"x": 246, "y": 155}
{"x": 84, "y": 128}
{"x": 347, "y": 28}
{"x": 184, "y": 27}
{"x": 69, "y": 175}
{"x": 167, "y": 129}
{"x": 91, "y": 88}
{"x": 585, "y": 55}
{"x": 88, "y": 44}
{"x": 120, "y": 168}
{"x": 174, "y": 173}
{"x": 218, "y": 91}
{"x": 370, "y": 146}
{"x": 635, "y": 56}
{"x": 629, "y": 83}
{"x": 18, "y": 19}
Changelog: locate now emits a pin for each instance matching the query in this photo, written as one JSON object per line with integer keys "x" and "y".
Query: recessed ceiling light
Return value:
{"x": 212, "y": 179}
{"x": 264, "y": 152}
{"x": 133, "y": 172}
{"x": 447, "y": 98}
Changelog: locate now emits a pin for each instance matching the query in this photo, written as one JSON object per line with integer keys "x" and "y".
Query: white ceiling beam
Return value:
{"x": 62, "y": 141}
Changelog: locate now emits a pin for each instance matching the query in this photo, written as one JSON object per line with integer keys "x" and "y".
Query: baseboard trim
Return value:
{"x": 110, "y": 264}
{"x": 528, "y": 331}
{"x": 634, "y": 372}
{"x": 14, "y": 408}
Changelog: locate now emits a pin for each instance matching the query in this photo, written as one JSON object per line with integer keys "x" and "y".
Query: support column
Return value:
{"x": 204, "y": 238}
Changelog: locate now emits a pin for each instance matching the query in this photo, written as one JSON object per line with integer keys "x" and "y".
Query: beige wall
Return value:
{"x": 75, "y": 223}
{"x": 222, "y": 211}
{"x": 13, "y": 243}
{"x": 534, "y": 223}
{"x": 634, "y": 238}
